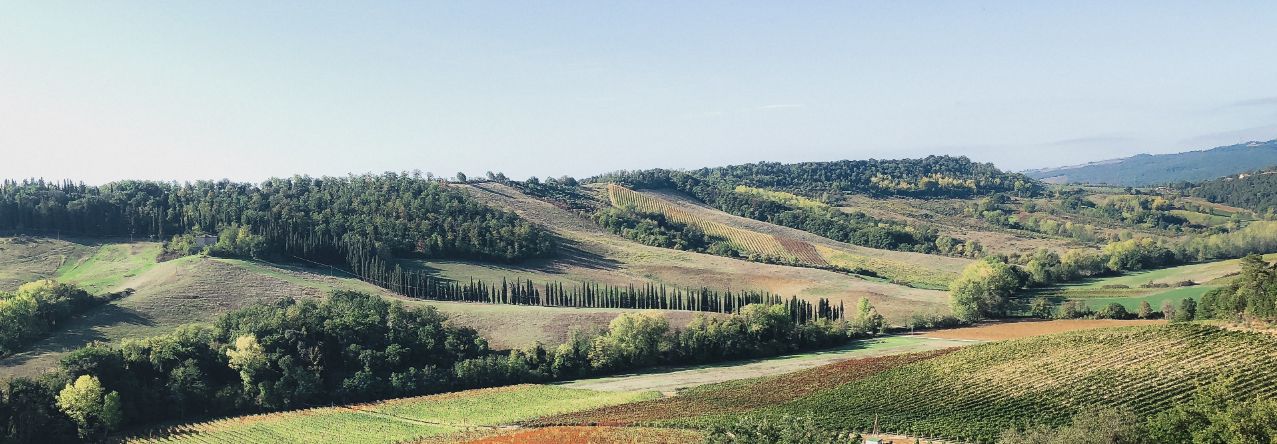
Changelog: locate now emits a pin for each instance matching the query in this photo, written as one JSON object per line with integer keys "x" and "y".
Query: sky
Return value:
{"x": 102, "y": 91}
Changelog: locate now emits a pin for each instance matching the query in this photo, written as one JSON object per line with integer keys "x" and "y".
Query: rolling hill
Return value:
{"x": 1158, "y": 169}
{"x": 196, "y": 289}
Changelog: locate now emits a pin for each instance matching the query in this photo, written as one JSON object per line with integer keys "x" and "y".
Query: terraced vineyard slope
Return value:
{"x": 751, "y": 241}
{"x": 916, "y": 269}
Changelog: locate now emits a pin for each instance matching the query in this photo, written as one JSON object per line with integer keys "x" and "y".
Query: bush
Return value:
{"x": 1073, "y": 310}
{"x": 1113, "y": 311}
{"x": 764, "y": 430}
{"x": 35, "y": 309}
{"x": 1095, "y": 425}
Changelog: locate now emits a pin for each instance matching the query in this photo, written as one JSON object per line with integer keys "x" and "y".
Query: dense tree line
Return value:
{"x": 325, "y": 219}
{"x": 37, "y": 308}
{"x": 417, "y": 284}
{"x": 354, "y": 347}
{"x": 932, "y": 176}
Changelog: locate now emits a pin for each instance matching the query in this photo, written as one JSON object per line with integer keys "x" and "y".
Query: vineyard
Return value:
{"x": 764, "y": 245}
{"x": 738, "y": 396}
{"x": 395, "y": 420}
{"x": 975, "y": 393}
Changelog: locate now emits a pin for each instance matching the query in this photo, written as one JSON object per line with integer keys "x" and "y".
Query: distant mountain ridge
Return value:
{"x": 1157, "y": 169}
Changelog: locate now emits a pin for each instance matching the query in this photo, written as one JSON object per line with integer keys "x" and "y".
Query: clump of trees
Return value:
{"x": 785, "y": 429}
{"x": 353, "y": 347}
{"x": 984, "y": 289}
{"x": 1092, "y": 425}
{"x": 37, "y": 308}
{"x": 1251, "y": 296}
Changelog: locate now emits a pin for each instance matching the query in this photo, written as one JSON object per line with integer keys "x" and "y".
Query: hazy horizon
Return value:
{"x": 106, "y": 91}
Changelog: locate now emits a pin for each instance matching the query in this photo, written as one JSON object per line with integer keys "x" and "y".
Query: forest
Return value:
{"x": 324, "y": 219}
{"x": 931, "y": 176}
{"x": 355, "y": 347}
{"x": 1256, "y": 191}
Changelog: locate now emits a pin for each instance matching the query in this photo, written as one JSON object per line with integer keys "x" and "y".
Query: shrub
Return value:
{"x": 1113, "y": 311}
{"x": 762, "y": 430}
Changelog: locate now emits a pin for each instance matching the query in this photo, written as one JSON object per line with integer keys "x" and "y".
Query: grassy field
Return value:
{"x": 1127, "y": 289}
{"x": 110, "y": 266}
{"x": 25, "y": 259}
{"x": 974, "y": 393}
{"x": 396, "y": 420}
{"x": 168, "y": 294}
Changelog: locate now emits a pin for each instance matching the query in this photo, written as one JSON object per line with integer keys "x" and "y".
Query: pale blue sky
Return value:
{"x": 100, "y": 91}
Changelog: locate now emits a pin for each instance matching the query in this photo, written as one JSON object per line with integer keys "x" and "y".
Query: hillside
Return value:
{"x": 973, "y": 393}
{"x": 1158, "y": 169}
{"x": 1253, "y": 190}
{"x": 924, "y": 270}
{"x": 593, "y": 254}
{"x": 197, "y": 289}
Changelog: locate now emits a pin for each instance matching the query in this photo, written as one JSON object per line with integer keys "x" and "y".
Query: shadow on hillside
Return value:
{"x": 571, "y": 254}
{"x": 80, "y": 332}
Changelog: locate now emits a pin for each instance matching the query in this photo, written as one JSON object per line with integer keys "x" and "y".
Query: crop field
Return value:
{"x": 669, "y": 380}
{"x": 592, "y": 435}
{"x": 396, "y": 420}
{"x": 975, "y": 393}
{"x": 750, "y": 241}
{"x": 741, "y": 395}
{"x": 1000, "y": 331}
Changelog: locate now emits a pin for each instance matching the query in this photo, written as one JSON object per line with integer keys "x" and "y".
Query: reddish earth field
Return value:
{"x": 592, "y": 435}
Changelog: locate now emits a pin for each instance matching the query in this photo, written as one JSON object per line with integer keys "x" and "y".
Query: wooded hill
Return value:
{"x": 1256, "y": 190}
{"x": 1160, "y": 169}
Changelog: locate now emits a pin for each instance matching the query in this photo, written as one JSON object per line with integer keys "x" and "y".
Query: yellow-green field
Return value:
{"x": 395, "y": 420}
{"x": 1131, "y": 288}
{"x": 24, "y": 259}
